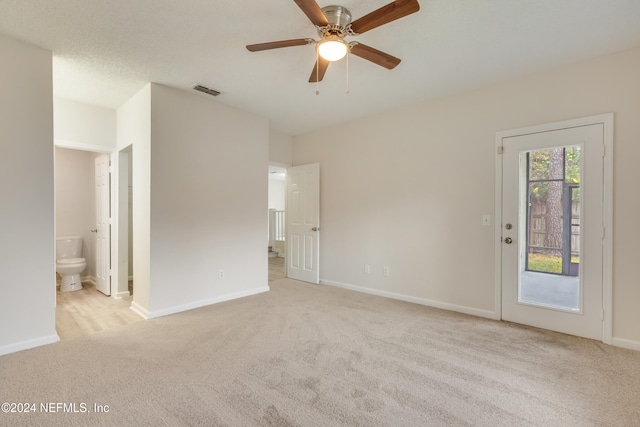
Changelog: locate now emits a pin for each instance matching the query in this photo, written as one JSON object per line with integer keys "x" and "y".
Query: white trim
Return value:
{"x": 84, "y": 147}
{"x": 607, "y": 120}
{"x": 497, "y": 226}
{"x": 197, "y": 304}
{"x": 120, "y": 295}
{"x": 89, "y": 279}
{"x": 139, "y": 310}
{"x": 624, "y": 343}
{"x": 422, "y": 301}
{"x": 607, "y": 242}
{"x": 25, "y": 345}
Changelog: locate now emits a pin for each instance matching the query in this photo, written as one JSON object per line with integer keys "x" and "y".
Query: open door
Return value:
{"x": 303, "y": 223}
{"x": 103, "y": 227}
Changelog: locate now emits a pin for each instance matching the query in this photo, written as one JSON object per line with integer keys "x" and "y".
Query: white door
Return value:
{"x": 103, "y": 237}
{"x": 552, "y": 230}
{"x": 303, "y": 222}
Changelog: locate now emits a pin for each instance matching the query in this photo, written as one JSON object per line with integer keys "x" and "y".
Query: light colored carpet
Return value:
{"x": 309, "y": 355}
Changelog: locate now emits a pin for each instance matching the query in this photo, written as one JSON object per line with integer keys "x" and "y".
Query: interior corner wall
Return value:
{"x": 27, "y": 260}
{"x": 208, "y": 201}
{"x": 134, "y": 134}
{"x": 407, "y": 189}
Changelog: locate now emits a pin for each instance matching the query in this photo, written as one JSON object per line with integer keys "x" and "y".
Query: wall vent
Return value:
{"x": 206, "y": 90}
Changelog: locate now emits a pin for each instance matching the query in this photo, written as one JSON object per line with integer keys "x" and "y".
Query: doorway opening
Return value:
{"x": 86, "y": 310}
{"x": 276, "y": 252}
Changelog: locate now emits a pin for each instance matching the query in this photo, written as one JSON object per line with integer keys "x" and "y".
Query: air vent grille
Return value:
{"x": 206, "y": 90}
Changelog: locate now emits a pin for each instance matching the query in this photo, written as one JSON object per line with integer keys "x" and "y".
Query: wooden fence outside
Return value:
{"x": 537, "y": 226}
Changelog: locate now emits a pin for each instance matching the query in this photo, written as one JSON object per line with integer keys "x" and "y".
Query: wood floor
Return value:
{"x": 87, "y": 311}
{"x": 276, "y": 268}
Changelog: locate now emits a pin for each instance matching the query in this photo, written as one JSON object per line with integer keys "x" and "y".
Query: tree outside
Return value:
{"x": 552, "y": 174}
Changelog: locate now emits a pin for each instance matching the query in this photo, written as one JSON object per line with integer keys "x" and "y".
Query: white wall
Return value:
{"x": 75, "y": 199}
{"x": 277, "y": 192}
{"x": 407, "y": 189}
{"x": 78, "y": 125}
{"x": 208, "y": 201}
{"x": 27, "y": 262}
{"x": 134, "y": 131}
{"x": 280, "y": 147}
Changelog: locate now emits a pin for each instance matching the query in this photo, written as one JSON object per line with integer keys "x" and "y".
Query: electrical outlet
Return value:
{"x": 367, "y": 269}
{"x": 221, "y": 274}
{"x": 385, "y": 271}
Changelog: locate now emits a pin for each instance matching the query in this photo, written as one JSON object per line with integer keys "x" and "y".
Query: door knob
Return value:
{"x": 508, "y": 240}
{"x": 315, "y": 228}
{"x": 94, "y": 230}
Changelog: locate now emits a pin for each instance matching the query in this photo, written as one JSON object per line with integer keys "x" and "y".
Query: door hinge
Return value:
{"x": 500, "y": 149}
{"x": 602, "y": 315}
{"x": 604, "y": 231}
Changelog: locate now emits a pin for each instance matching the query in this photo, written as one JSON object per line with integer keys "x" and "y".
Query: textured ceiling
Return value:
{"x": 105, "y": 51}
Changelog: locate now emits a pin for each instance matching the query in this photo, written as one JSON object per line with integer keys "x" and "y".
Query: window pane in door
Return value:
{"x": 551, "y": 250}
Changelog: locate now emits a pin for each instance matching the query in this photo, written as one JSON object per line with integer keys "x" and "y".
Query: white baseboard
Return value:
{"x": 120, "y": 295}
{"x": 197, "y": 304}
{"x": 422, "y": 301}
{"x": 25, "y": 345}
{"x": 624, "y": 343}
{"x": 139, "y": 310}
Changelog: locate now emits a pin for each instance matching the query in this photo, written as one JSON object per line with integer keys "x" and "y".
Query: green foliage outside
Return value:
{"x": 539, "y": 162}
{"x": 547, "y": 263}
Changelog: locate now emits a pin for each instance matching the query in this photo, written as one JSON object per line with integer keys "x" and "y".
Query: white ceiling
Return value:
{"x": 105, "y": 51}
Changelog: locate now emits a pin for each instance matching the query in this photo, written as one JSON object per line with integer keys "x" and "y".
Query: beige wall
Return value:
{"x": 78, "y": 125}
{"x": 208, "y": 201}
{"x": 407, "y": 189}
{"x": 27, "y": 261}
{"x": 279, "y": 147}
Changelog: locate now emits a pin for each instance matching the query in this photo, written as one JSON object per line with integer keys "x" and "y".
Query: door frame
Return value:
{"x": 119, "y": 277}
{"x": 607, "y": 120}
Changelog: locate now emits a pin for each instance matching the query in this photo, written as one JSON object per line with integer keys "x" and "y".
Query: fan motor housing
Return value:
{"x": 337, "y": 15}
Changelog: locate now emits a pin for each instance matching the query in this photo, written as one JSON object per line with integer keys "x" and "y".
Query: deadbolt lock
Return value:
{"x": 508, "y": 226}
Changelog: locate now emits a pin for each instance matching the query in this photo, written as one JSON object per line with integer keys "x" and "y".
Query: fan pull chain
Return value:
{"x": 348, "y": 72}
{"x": 317, "y": 67}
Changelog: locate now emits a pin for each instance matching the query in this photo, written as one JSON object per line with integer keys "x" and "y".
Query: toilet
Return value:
{"x": 69, "y": 262}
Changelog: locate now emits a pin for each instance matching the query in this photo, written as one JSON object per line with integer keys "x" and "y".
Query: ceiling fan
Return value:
{"x": 334, "y": 24}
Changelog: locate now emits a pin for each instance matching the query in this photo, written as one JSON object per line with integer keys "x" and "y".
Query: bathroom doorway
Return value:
{"x": 86, "y": 310}
{"x": 276, "y": 210}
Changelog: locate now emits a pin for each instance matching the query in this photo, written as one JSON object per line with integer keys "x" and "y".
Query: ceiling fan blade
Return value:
{"x": 313, "y": 12}
{"x": 396, "y": 10}
{"x": 374, "y": 55}
{"x": 318, "y": 70}
{"x": 275, "y": 45}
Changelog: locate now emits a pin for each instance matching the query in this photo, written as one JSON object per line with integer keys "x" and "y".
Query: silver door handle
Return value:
{"x": 508, "y": 240}
{"x": 315, "y": 229}
{"x": 94, "y": 230}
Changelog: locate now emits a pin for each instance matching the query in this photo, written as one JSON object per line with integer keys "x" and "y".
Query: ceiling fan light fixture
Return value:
{"x": 333, "y": 49}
